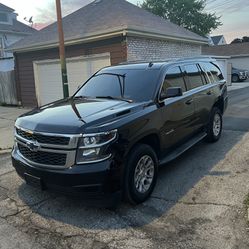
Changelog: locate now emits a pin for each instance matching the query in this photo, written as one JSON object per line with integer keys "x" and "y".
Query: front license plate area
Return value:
{"x": 33, "y": 181}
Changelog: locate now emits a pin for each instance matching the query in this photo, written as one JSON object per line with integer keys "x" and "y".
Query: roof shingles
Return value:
{"x": 107, "y": 15}
{"x": 235, "y": 49}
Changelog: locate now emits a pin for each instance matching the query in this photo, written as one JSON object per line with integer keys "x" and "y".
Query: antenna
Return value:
{"x": 30, "y": 21}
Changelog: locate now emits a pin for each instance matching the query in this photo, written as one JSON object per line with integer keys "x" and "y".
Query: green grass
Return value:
{"x": 247, "y": 201}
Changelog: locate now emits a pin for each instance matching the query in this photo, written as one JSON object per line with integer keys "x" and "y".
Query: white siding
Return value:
{"x": 240, "y": 62}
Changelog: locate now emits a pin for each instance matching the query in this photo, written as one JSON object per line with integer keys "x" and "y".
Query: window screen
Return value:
{"x": 174, "y": 78}
{"x": 194, "y": 76}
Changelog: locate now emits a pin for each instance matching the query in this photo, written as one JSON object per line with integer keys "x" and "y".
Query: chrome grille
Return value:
{"x": 43, "y": 139}
{"x": 48, "y": 150}
{"x": 41, "y": 157}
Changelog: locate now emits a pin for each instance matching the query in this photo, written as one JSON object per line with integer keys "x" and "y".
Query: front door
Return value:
{"x": 178, "y": 112}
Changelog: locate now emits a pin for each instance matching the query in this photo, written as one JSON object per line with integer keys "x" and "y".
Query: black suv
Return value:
{"x": 239, "y": 75}
{"x": 124, "y": 122}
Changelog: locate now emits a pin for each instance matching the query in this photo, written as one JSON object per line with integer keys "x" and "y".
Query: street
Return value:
{"x": 198, "y": 202}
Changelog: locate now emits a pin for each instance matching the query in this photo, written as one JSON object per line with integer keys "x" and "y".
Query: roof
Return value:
{"x": 106, "y": 17}
{"x": 17, "y": 27}
{"x": 216, "y": 39}
{"x": 233, "y": 50}
{"x": 5, "y": 8}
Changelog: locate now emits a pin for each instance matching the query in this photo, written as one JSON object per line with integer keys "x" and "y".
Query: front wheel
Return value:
{"x": 214, "y": 128}
{"x": 141, "y": 174}
{"x": 235, "y": 78}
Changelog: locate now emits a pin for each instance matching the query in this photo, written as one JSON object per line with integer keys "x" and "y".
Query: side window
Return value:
{"x": 174, "y": 78}
{"x": 205, "y": 67}
{"x": 213, "y": 72}
{"x": 204, "y": 76}
{"x": 217, "y": 74}
{"x": 194, "y": 76}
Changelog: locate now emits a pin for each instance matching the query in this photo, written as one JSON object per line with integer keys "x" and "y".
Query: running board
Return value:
{"x": 181, "y": 149}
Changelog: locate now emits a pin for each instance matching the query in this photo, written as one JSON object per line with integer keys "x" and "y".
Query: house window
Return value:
{"x": 3, "y": 17}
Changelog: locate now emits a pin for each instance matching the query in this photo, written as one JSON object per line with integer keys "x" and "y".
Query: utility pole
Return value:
{"x": 62, "y": 50}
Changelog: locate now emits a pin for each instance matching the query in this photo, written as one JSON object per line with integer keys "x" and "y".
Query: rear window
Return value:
{"x": 194, "y": 76}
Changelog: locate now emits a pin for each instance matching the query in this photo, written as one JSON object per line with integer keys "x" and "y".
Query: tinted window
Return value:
{"x": 205, "y": 78}
{"x": 213, "y": 71}
{"x": 174, "y": 78}
{"x": 194, "y": 76}
{"x": 204, "y": 67}
{"x": 137, "y": 85}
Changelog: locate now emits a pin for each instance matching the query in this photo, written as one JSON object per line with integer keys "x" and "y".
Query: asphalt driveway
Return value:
{"x": 197, "y": 203}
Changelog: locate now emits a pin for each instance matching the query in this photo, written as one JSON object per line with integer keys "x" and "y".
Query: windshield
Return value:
{"x": 136, "y": 85}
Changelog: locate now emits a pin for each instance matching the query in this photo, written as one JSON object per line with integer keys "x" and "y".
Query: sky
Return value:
{"x": 234, "y": 13}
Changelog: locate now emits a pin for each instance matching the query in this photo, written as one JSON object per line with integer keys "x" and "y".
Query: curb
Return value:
{"x": 5, "y": 151}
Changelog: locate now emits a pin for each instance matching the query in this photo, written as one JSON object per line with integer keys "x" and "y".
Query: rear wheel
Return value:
{"x": 141, "y": 174}
{"x": 214, "y": 128}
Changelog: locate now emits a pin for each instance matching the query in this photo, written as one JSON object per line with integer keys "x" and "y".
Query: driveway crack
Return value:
{"x": 192, "y": 203}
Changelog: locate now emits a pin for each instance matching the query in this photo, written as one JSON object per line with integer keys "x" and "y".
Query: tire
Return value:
{"x": 214, "y": 127}
{"x": 139, "y": 155}
{"x": 235, "y": 78}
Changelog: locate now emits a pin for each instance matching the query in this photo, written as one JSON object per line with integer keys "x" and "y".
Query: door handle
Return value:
{"x": 189, "y": 102}
{"x": 209, "y": 93}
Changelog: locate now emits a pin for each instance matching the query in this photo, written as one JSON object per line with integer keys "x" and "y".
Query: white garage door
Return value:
{"x": 48, "y": 80}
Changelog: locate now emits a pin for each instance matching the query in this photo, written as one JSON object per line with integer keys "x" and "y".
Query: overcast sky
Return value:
{"x": 234, "y": 13}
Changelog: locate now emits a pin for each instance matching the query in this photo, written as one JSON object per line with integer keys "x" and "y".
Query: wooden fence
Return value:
{"x": 8, "y": 92}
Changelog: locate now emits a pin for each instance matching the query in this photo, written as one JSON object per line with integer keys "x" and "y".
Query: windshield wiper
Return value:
{"x": 80, "y": 97}
{"x": 114, "y": 98}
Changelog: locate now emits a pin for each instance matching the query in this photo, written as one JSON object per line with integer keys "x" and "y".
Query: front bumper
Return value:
{"x": 90, "y": 181}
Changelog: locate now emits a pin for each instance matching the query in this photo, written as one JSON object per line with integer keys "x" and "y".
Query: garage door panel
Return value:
{"x": 78, "y": 73}
{"x": 50, "y": 83}
{"x": 48, "y": 76}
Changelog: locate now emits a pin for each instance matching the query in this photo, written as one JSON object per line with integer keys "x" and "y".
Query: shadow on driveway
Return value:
{"x": 175, "y": 180}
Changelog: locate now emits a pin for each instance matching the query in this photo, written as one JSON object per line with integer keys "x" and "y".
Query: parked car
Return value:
{"x": 239, "y": 75}
{"x": 111, "y": 136}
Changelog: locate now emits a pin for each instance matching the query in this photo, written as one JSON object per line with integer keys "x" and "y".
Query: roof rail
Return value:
{"x": 166, "y": 60}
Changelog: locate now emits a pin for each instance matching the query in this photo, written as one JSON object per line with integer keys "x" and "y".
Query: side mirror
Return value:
{"x": 171, "y": 92}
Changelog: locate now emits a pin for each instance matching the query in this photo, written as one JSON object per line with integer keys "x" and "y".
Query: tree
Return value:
{"x": 189, "y": 14}
{"x": 240, "y": 40}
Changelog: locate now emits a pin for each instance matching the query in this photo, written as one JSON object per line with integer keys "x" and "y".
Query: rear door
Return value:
{"x": 178, "y": 112}
{"x": 202, "y": 91}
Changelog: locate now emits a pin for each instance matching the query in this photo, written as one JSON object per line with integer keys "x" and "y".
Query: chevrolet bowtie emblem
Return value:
{"x": 29, "y": 132}
{"x": 33, "y": 146}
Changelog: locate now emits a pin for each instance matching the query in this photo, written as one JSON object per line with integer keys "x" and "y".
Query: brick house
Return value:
{"x": 105, "y": 32}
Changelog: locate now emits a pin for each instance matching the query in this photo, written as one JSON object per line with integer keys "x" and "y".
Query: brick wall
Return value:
{"x": 150, "y": 49}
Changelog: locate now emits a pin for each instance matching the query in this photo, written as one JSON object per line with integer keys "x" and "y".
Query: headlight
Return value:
{"x": 92, "y": 147}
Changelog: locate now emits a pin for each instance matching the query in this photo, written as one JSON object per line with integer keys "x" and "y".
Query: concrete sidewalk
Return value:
{"x": 8, "y": 116}
{"x": 236, "y": 86}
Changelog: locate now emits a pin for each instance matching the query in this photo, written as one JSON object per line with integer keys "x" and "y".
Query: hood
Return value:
{"x": 70, "y": 116}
